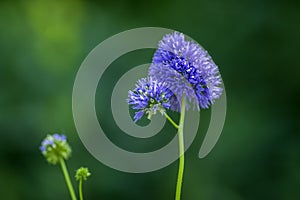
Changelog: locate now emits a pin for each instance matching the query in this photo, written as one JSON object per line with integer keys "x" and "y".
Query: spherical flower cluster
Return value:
{"x": 55, "y": 147}
{"x": 150, "y": 96}
{"x": 82, "y": 174}
{"x": 187, "y": 69}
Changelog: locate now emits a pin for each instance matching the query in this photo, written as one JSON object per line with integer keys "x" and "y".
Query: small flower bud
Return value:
{"x": 82, "y": 173}
{"x": 55, "y": 147}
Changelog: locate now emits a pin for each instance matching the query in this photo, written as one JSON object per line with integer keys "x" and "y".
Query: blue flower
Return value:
{"x": 187, "y": 69}
{"x": 55, "y": 147}
{"x": 150, "y": 96}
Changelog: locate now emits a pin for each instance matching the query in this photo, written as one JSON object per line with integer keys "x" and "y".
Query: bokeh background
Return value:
{"x": 256, "y": 45}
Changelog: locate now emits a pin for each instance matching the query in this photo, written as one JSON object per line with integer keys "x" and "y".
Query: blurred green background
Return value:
{"x": 256, "y": 45}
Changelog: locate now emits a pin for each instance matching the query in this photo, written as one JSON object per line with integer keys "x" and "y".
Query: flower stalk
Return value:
{"x": 67, "y": 178}
{"x": 171, "y": 120}
{"x": 80, "y": 190}
{"x": 181, "y": 151}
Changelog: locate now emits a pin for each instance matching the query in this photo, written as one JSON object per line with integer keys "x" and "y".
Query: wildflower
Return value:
{"x": 81, "y": 175}
{"x": 150, "y": 96}
{"x": 187, "y": 69}
{"x": 55, "y": 147}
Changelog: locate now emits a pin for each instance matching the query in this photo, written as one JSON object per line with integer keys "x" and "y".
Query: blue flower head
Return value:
{"x": 150, "y": 96}
{"x": 187, "y": 69}
{"x": 55, "y": 147}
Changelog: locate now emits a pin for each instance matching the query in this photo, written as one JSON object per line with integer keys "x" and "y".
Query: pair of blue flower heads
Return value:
{"x": 180, "y": 69}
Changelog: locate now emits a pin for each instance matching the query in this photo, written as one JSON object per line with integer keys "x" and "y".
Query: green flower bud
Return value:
{"x": 82, "y": 173}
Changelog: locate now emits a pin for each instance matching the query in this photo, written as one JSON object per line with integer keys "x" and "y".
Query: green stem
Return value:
{"x": 80, "y": 190}
{"x": 170, "y": 120}
{"x": 67, "y": 178}
{"x": 181, "y": 151}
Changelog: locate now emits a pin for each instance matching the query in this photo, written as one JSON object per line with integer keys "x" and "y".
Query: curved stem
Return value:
{"x": 181, "y": 151}
{"x": 80, "y": 190}
{"x": 170, "y": 120}
{"x": 67, "y": 178}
